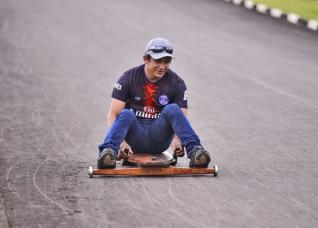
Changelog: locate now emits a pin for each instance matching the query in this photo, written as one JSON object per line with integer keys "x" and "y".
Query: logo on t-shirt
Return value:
{"x": 185, "y": 96}
{"x": 150, "y": 91}
{"x": 163, "y": 100}
{"x": 117, "y": 86}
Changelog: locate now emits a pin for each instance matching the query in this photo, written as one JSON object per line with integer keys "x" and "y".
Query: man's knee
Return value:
{"x": 127, "y": 115}
{"x": 171, "y": 109}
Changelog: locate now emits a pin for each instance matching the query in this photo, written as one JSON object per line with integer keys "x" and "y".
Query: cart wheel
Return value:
{"x": 174, "y": 163}
{"x": 90, "y": 171}
{"x": 216, "y": 170}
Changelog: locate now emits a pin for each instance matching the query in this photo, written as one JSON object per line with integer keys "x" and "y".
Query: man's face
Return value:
{"x": 158, "y": 67}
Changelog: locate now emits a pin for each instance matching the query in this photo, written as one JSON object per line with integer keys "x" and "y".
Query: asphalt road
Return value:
{"x": 253, "y": 93}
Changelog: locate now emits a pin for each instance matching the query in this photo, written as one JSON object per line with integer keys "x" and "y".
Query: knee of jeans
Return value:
{"x": 127, "y": 114}
{"x": 171, "y": 108}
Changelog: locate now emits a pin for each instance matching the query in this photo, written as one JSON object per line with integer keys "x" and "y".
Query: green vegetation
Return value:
{"x": 307, "y": 9}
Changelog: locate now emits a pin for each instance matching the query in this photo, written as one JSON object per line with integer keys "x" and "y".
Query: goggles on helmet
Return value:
{"x": 159, "y": 49}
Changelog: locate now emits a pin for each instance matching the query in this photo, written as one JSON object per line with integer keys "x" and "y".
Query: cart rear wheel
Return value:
{"x": 216, "y": 170}
{"x": 90, "y": 171}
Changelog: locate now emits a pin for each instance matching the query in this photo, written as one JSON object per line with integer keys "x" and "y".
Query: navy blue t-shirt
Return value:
{"x": 147, "y": 99}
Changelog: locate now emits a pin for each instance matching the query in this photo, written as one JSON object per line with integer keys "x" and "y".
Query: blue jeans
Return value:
{"x": 151, "y": 135}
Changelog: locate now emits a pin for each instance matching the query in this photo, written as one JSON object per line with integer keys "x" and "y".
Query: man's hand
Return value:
{"x": 176, "y": 146}
{"x": 124, "y": 149}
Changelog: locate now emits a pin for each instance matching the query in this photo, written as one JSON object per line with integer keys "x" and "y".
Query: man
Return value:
{"x": 148, "y": 112}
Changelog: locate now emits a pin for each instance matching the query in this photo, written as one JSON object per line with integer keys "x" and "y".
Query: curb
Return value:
{"x": 276, "y": 13}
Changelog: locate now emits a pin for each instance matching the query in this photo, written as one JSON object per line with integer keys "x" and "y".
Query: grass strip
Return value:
{"x": 307, "y": 9}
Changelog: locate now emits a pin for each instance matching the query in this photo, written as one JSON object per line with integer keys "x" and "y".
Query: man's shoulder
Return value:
{"x": 174, "y": 76}
{"x": 134, "y": 71}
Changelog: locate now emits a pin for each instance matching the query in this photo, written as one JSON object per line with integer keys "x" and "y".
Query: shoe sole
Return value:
{"x": 107, "y": 161}
{"x": 202, "y": 161}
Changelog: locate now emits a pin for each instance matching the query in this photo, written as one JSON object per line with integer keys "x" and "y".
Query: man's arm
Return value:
{"x": 185, "y": 111}
{"x": 116, "y": 106}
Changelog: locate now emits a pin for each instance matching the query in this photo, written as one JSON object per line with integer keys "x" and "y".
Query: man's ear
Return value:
{"x": 146, "y": 59}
